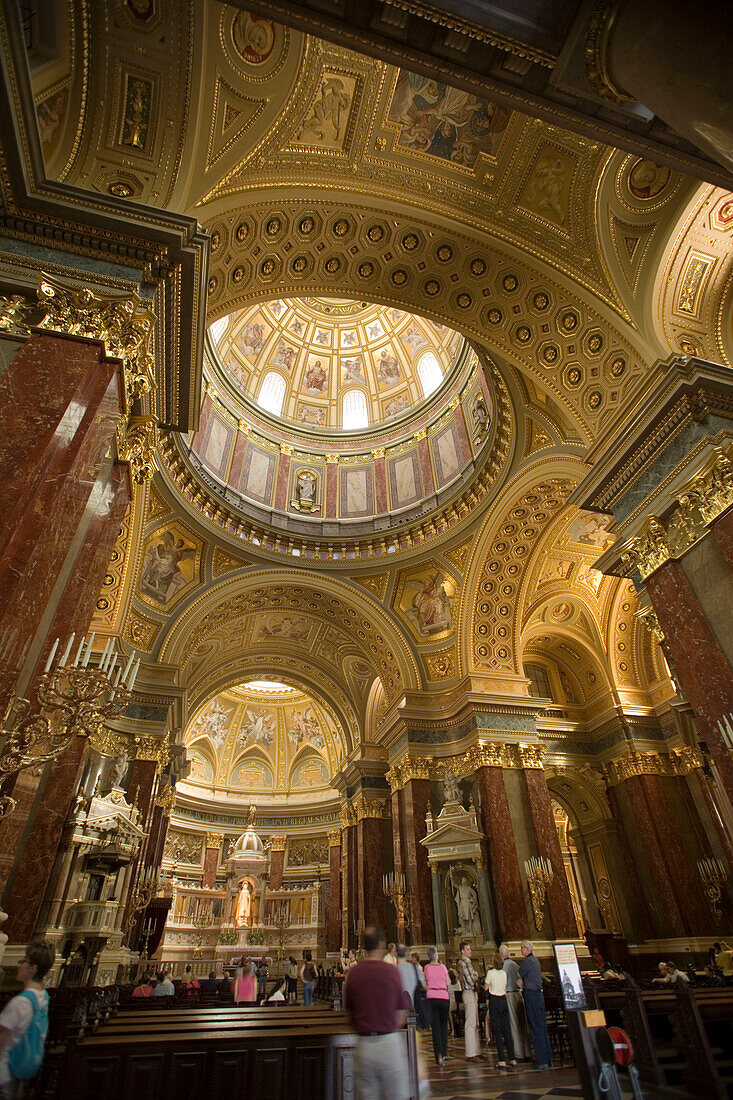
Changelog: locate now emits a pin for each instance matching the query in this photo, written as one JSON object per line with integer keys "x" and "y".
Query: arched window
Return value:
{"x": 354, "y": 410}
{"x": 272, "y": 393}
{"x": 430, "y": 373}
{"x": 539, "y": 681}
{"x": 217, "y": 328}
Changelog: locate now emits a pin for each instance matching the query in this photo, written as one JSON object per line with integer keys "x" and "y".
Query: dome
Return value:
{"x": 249, "y": 843}
{"x": 334, "y": 364}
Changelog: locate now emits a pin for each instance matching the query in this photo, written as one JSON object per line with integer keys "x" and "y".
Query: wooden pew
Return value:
{"x": 279, "y": 1053}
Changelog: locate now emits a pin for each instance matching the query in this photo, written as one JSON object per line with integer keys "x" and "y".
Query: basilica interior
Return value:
{"x": 367, "y": 524}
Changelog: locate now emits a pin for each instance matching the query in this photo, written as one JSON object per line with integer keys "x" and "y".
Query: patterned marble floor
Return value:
{"x": 461, "y": 1080}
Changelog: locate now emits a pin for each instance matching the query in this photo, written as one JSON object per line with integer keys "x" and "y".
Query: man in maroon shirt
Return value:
{"x": 374, "y": 998}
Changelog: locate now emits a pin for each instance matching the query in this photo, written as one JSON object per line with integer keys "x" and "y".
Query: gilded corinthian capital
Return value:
{"x": 136, "y": 445}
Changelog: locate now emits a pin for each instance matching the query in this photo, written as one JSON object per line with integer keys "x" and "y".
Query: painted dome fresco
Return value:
{"x": 330, "y": 363}
{"x": 263, "y": 738}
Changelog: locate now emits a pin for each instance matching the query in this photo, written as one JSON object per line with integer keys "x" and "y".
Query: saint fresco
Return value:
{"x": 168, "y": 565}
{"x": 445, "y": 122}
{"x": 426, "y": 600}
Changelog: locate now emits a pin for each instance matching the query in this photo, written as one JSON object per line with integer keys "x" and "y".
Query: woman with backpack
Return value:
{"x": 24, "y": 1021}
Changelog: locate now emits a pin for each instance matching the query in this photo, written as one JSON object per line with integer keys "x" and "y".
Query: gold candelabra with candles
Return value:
{"x": 76, "y": 698}
{"x": 713, "y": 876}
{"x": 201, "y": 922}
{"x": 539, "y": 874}
{"x": 142, "y": 894}
{"x": 394, "y": 887}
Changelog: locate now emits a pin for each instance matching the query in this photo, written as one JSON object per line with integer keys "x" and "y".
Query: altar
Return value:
{"x": 462, "y": 906}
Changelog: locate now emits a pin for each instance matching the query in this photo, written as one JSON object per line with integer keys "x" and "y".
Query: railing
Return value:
{"x": 92, "y": 916}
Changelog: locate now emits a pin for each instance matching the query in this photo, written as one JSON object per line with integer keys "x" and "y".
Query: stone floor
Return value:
{"x": 461, "y": 1080}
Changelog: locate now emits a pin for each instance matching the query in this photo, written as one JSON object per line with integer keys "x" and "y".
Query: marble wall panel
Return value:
{"x": 277, "y": 862}
{"x": 216, "y": 443}
{"x": 370, "y": 849}
{"x": 357, "y": 491}
{"x": 405, "y": 479}
{"x": 258, "y": 474}
{"x": 504, "y": 873}
{"x": 211, "y": 862}
{"x": 702, "y": 668}
{"x": 446, "y": 447}
{"x": 281, "y": 487}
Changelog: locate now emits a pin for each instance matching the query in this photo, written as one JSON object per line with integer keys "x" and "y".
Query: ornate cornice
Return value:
{"x": 679, "y": 762}
{"x": 362, "y": 807}
{"x": 487, "y": 754}
{"x": 111, "y": 742}
{"x": 148, "y": 747}
{"x": 597, "y": 34}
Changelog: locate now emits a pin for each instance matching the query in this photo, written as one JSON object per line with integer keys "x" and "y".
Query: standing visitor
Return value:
{"x": 391, "y": 955}
{"x": 373, "y": 997}
{"x": 291, "y": 973}
{"x": 495, "y": 986}
{"x": 422, "y": 1008}
{"x": 24, "y": 1021}
{"x": 262, "y": 981}
{"x": 244, "y": 983}
{"x": 469, "y": 980}
{"x": 438, "y": 981}
{"x": 515, "y": 1004}
{"x": 308, "y": 975}
{"x": 530, "y": 975}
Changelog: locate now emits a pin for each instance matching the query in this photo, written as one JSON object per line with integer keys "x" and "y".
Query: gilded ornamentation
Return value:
{"x": 531, "y": 756}
{"x": 647, "y": 616}
{"x": 213, "y": 840}
{"x": 360, "y": 808}
{"x": 139, "y": 630}
{"x": 649, "y": 550}
{"x": 599, "y": 26}
{"x": 277, "y": 843}
{"x": 224, "y": 562}
{"x": 679, "y": 762}
{"x": 152, "y": 748}
{"x": 123, "y": 324}
{"x": 441, "y": 666}
{"x": 110, "y": 742}
{"x": 166, "y": 799}
{"x": 14, "y": 315}
{"x": 334, "y": 838}
{"x": 539, "y": 874}
{"x": 136, "y": 445}
{"x": 375, "y": 583}
{"x": 137, "y": 111}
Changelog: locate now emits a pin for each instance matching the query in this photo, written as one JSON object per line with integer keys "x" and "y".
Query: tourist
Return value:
{"x": 143, "y": 988}
{"x": 373, "y": 996}
{"x": 291, "y": 973}
{"x": 209, "y": 985}
{"x": 530, "y": 977}
{"x": 244, "y": 983}
{"x": 280, "y": 991}
{"x": 436, "y": 977}
{"x": 262, "y": 981}
{"x": 165, "y": 987}
{"x": 675, "y": 976}
{"x": 391, "y": 955}
{"x": 190, "y": 985}
{"x": 408, "y": 973}
{"x": 469, "y": 980}
{"x": 224, "y": 984}
{"x": 495, "y": 985}
{"x": 25, "y": 1015}
{"x": 454, "y": 986}
{"x": 515, "y": 1004}
{"x": 308, "y": 975}
{"x": 422, "y": 1008}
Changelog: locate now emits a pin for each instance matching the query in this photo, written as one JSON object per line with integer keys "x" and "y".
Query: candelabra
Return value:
{"x": 394, "y": 887}
{"x": 539, "y": 874}
{"x": 143, "y": 893}
{"x": 713, "y": 876}
{"x": 75, "y": 698}
{"x": 282, "y": 923}
{"x": 201, "y": 922}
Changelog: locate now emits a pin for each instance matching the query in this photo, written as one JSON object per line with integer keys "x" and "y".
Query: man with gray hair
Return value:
{"x": 515, "y": 1004}
{"x": 530, "y": 977}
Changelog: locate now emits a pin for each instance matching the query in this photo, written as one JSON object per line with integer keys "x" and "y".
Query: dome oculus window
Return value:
{"x": 354, "y": 414}
{"x": 429, "y": 372}
{"x": 272, "y": 393}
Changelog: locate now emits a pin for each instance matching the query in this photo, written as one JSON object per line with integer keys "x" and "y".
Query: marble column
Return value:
{"x": 370, "y": 856}
{"x": 60, "y": 402}
{"x": 441, "y": 924}
{"x": 702, "y": 667}
{"x": 496, "y": 822}
{"x": 277, "y": 861}
{"x": 415, "y": 801}
{"x": 722, "y": 531}
{"x": 349, "y": 913}
{"x": 674, "y": 58}
{"x": 487, "y": 911}
{"x": 334, "y": 891}
{"x": 211, "y": 859}
{"x": 559, "y": 902}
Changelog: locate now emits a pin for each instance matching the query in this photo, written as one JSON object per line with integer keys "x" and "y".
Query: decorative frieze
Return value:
{"x": 361, "y": 807}
{"x": 487, "y": 754}
{"x": 679, "y": 762}
{"x": 308, "y": 851}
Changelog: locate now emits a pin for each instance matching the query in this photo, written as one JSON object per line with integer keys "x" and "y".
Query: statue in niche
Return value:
{"x": 480, "y": 415}
{"x": 467, "y": 907}
{"x": 119, "y": 767}
{"x": 306, "y": 491}
{"x": 451, "y": 790}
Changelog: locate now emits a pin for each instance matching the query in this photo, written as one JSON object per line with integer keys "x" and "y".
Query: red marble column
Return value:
{"x": 350, "y": 915}
{"x": 548, "y": 845}
{"x": 398, "y": 861}
{"x": 380, "y": 484}
{"x": 370, "y": 854}
{"x": 211, "y": 859}
{"x": 334, "y": 894}
{"x": 415, "y": 802}
{"x": 722, "y": 532}
{"x": 428, "y": 482}
{"x": 332, "y": 474}
{"x": 60, "y": 401}
{"x": 703, "y": 669}
{"x": 504, "y": 871}
{"x": 277, "y": 862}
{"x": 27, "y": 883}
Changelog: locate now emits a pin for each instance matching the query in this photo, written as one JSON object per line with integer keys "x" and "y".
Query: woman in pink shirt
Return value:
{"x": 436, "y": 977}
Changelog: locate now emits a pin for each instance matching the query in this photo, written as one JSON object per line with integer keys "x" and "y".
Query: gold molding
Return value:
{"x": 648, "y": 551}
{"x": 487, "y": 754}
{"x": 136, "y": 443}
{"x": 677, "y": 763}
{"x": 213, "y": 840}
{"x": 334, "y": 838}
{"x": 596, "y": 41}
{"x": 148, "y": 747}
{"x": 277, "y": 843}
{"x": 360, "y": 808}
{"x": 166, "y": 799}
{"x": 111, "y": 742}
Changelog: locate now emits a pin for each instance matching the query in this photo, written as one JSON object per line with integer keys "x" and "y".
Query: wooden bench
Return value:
{"x": 281, "y": 1053}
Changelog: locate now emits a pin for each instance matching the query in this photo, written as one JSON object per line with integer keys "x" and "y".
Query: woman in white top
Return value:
{"x": 495, "y": 985}
{"x": 279, "y": 994}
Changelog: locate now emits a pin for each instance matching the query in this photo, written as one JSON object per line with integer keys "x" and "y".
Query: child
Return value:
{"x": 29, "y": 1008}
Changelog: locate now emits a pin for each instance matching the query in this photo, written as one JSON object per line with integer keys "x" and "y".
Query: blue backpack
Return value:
{"x": 24, "y": 1059}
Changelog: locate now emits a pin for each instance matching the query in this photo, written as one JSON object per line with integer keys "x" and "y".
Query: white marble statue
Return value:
{"x": 466, "y": 899}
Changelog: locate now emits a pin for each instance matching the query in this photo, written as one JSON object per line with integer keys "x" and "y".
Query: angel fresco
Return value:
{"x": 251, "y": 339}
{"x": 388, "y": 370}
{"x": 257, "y": 726}
{"x": 445, "y": 122}
{"x": 432, "y": 604}
{"x": 212, "y": 724}
{"x": 306, "y": 728}
{"x": 162, "y": 576}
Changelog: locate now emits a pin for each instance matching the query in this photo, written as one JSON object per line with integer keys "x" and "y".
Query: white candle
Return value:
{"x": 88, "y": 653}
{"x": 134, "y": 675}
{"x": 105, "y": 654}
{"x": 67, "y": 651}
{"x": 111, "y": 666}
{"x": 128, "y": 666}
{"x": 51, "y": 655}
{"x": 78, "y": 652}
